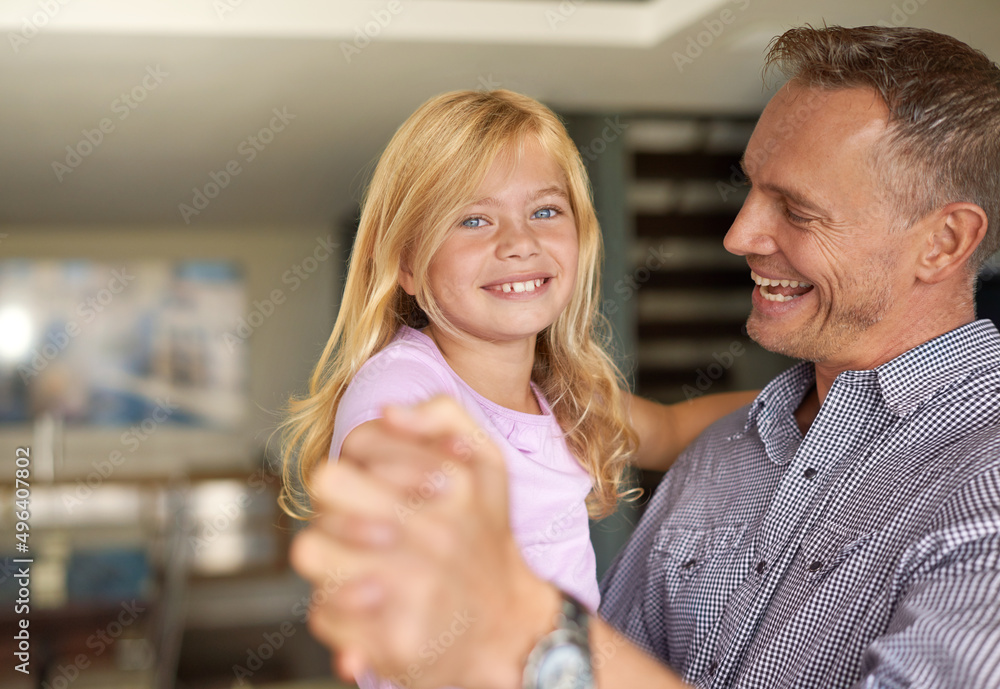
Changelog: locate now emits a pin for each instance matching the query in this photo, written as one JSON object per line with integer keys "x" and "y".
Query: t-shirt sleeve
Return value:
{"x": 394, "y": 376}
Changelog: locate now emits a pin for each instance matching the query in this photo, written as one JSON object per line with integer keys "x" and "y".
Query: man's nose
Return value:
{"x": 752, "y": 232}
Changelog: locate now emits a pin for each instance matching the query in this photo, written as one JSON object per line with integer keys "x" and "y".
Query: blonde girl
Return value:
{"x": 475, "y": 273}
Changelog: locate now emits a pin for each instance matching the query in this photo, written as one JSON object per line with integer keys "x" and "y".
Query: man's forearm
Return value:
{"x": 619, "y": 664}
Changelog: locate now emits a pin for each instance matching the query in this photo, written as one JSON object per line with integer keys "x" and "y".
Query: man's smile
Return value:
{"x": 780, "y": 289}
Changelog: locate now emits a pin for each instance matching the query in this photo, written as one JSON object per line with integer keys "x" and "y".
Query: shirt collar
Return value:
{"x": 906, "y": 382}
{"x": 915, "y": 376}
{"x": 779, "y": 399}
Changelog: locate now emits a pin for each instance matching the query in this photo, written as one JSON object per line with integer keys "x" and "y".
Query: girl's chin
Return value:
{"x": 505, "y": 336}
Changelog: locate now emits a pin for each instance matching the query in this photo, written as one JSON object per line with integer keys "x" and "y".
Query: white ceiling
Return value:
{"x": 225, "y": 65}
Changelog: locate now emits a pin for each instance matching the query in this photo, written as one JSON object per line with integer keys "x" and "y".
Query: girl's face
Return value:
{"x": 507, "y": 268}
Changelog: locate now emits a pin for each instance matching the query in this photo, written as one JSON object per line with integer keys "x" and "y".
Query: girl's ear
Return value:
{"x": 406, "y": 280}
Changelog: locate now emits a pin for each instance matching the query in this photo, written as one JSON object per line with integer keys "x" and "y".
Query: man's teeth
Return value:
{"x": 764, "y": 283}
{"x": 527, "y": 286}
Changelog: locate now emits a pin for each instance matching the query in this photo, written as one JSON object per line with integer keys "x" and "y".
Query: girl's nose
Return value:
{"x": 517, "y": 239}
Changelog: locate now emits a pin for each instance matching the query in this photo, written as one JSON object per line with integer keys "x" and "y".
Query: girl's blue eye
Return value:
{"x": 544, "y": 213}
{"x": 473, "y": 222}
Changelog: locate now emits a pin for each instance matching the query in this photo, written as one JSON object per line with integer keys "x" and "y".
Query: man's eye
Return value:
{"x": 797, "y": 219}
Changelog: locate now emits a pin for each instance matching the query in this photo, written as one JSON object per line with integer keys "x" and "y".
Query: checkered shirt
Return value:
{"x": 864, "y": 554}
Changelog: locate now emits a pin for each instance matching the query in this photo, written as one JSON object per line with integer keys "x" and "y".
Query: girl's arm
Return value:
{"x": 666, "y": 429}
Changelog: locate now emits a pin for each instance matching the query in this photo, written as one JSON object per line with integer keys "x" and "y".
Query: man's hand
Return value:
{"x": 431, "y": 587}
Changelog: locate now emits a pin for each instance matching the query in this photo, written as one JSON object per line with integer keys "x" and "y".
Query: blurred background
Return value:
{"x": 179, "y": 187}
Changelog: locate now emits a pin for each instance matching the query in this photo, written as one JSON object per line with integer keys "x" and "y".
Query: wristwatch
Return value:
{"x": 561, "y": 658}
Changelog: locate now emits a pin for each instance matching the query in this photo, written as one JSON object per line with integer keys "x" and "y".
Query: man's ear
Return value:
{"x": 406, "y": 280}
{"x": 953, "y": 233}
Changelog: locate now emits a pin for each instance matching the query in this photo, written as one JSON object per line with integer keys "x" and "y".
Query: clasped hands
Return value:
{"x": 423, "y": 580}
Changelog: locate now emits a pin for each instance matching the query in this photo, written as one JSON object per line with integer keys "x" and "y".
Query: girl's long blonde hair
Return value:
{"x": 430, "y": 170}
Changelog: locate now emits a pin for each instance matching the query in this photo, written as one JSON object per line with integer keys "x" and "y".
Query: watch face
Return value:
{"x": 565, "y": 666}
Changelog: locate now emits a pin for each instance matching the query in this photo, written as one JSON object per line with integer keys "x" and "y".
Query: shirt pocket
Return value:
{"x": 680, "y": 554}
{"x": 827, "y": 550}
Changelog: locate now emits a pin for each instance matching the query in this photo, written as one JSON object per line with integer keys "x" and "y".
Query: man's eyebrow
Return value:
{"x": 795, "y": 197}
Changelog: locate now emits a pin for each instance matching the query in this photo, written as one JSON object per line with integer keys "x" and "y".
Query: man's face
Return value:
{"x": 818, "y": 236}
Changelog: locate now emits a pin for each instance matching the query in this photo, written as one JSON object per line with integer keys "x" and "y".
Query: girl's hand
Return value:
{"x": 666, "y": 429}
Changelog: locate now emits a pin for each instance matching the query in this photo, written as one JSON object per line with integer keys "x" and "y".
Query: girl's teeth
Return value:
{"x": 526, "y": 286}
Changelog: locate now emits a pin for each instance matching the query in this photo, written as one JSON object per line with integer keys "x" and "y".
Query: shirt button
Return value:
{"x": 809, "y": 473}
{"x": 712, "y": 667}
{"x": 761, "y": 566}
{"x": 689, "y": 564}
{"x": 816, "y": 566}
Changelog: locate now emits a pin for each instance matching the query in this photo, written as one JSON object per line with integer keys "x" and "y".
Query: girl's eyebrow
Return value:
{"x": 550, "y": 191}
{"x": 547, "y": 191}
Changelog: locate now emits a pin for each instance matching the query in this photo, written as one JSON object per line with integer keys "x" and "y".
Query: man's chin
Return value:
{"x": 780, "y": 341}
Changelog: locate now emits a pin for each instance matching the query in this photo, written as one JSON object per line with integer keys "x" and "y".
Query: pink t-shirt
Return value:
{"x": 548, "y": 516}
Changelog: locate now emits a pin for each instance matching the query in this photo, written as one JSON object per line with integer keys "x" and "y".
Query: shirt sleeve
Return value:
{"x": 946, "y": 631}
{"x": 395, "y": 376}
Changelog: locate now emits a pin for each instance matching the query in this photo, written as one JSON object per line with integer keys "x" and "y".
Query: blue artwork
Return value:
{"x": 115, "y": 344}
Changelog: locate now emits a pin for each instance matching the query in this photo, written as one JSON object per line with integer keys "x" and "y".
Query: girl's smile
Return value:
{"x": 508, "y": 266}
{"x": 520, "y": 286}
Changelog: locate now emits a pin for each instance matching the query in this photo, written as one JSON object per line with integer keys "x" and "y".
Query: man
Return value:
{"x": 844, "y": 529}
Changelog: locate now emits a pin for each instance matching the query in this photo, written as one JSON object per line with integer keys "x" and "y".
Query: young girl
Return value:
{"x": 475, "y": 274}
